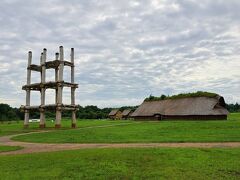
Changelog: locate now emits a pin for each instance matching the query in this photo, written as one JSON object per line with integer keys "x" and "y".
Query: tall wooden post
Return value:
{"x": 43, "y": 80}
{"x": 28, "y": 92}
{"x": 60, "y": 89}
{"x": 74, "y": 122}
{"x": 56, "y": 78}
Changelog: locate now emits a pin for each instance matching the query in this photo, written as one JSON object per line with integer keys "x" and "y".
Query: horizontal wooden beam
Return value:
{"x": 49, "y": 65}
{"x": 51, "y": 107}
{"x": 54, "y": 64}
{"x": 34, "y": 67}
{"x": 49, "y": 85}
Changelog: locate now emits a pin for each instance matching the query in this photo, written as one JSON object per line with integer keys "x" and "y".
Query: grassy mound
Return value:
{"x": 182, "y": 95}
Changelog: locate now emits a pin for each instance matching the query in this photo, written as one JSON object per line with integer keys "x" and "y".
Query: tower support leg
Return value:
{"x": 26, "y": 119}
{"x": 58, "y": 117}
{"x": 59, "y": 78}
{"x": 74, "y": 120}
{"x": 42, "y": 119}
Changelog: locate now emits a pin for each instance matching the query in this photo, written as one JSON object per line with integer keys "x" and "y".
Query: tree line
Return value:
{"x": 233, "y": 107}
{"x": 7, "y": 113}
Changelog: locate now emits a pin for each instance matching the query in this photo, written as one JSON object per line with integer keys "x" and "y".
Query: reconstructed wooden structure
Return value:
{"x": 115, "y": 114}
{"x": 126, "y": 113}
{"x": 57, "y": 64}
{"x": 187, "y": 108}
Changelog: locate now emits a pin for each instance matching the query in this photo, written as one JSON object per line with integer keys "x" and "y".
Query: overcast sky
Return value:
{"x": 125, "y": 50}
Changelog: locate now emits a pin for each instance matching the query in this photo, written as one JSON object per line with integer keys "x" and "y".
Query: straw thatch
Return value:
{"x": 115, "y": 114}
{"x": 191, "y": 108}
{"x": 126, "y": 113}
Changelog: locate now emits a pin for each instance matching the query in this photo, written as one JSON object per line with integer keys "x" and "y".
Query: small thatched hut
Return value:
{"x": 115, "y": 114}
{"x": 126, "y": 113}
{"x": 199, "y": 108}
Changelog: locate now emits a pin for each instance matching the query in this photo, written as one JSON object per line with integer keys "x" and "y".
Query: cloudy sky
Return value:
{"x": 125, "y": 50}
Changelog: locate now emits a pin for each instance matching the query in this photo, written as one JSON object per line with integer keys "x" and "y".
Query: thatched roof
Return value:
{"x": 113, "y": 112}
{"x": 182, "y": 95}
{"x": 183, "y": 106}
{"x": 126, "y": 112}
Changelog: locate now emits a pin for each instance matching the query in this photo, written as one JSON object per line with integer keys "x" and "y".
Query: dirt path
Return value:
{"x": 46, "y": 147}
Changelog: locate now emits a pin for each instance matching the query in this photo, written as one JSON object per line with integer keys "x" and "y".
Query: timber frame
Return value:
{"x": 57, "y": 64}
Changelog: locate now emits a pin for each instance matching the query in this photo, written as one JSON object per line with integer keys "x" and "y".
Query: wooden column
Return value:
{"x": 28, "y": 92}
{"x": 60, "y": 90}
{"x": 43, "y": 90}
{"x": 74, "y": 121}
{"x": 56, "y": 78}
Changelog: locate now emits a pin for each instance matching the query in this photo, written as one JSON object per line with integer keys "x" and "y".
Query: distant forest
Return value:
{"x": 8, "y": 113}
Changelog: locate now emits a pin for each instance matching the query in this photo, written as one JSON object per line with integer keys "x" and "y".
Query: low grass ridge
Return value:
{"x": 131, "y": 163}
{"x": 182, "y": 95}
{"x": 9, "y": 148}
{"x": 148, "y": 131}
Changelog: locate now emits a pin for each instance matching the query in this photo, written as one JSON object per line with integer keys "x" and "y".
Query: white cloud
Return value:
{"x": 125, "y": 50}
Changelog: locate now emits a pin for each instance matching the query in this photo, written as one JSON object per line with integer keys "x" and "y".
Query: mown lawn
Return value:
{"x": 164, "y": 131}
{"x": 16, "y": 128}
{"x": 132, "y": 163}
{"x": 9, "y": 148}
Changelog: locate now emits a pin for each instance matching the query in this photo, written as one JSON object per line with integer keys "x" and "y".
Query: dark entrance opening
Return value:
{"x": 158, "y": 116}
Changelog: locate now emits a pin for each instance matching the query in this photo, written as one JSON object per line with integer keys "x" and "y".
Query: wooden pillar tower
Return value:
{"x": 57, "y": 64}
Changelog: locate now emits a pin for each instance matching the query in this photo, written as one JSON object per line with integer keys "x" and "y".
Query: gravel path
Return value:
{"x": 46, "y": 147}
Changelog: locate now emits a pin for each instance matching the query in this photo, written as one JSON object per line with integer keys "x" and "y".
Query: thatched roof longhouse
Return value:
{"x": 189, "y": 106}
{"x": 126, "y": 112}
{"x": 113, "y": 112}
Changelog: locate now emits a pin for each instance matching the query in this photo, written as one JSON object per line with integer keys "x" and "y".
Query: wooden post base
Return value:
{"x": 57, "y": 126}
{"x": 74, "y": 125}
{"x": 26, "y": 126}
{"x": 42, "y": 125}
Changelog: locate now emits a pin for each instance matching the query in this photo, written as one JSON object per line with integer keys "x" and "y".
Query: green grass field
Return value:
{"x": 128, "y": 163}
{"x": 16, "y": 128}
{"x": 145, "y": 163}
{"x": 164, "y": 131}
{"x": 9, "y": 148}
